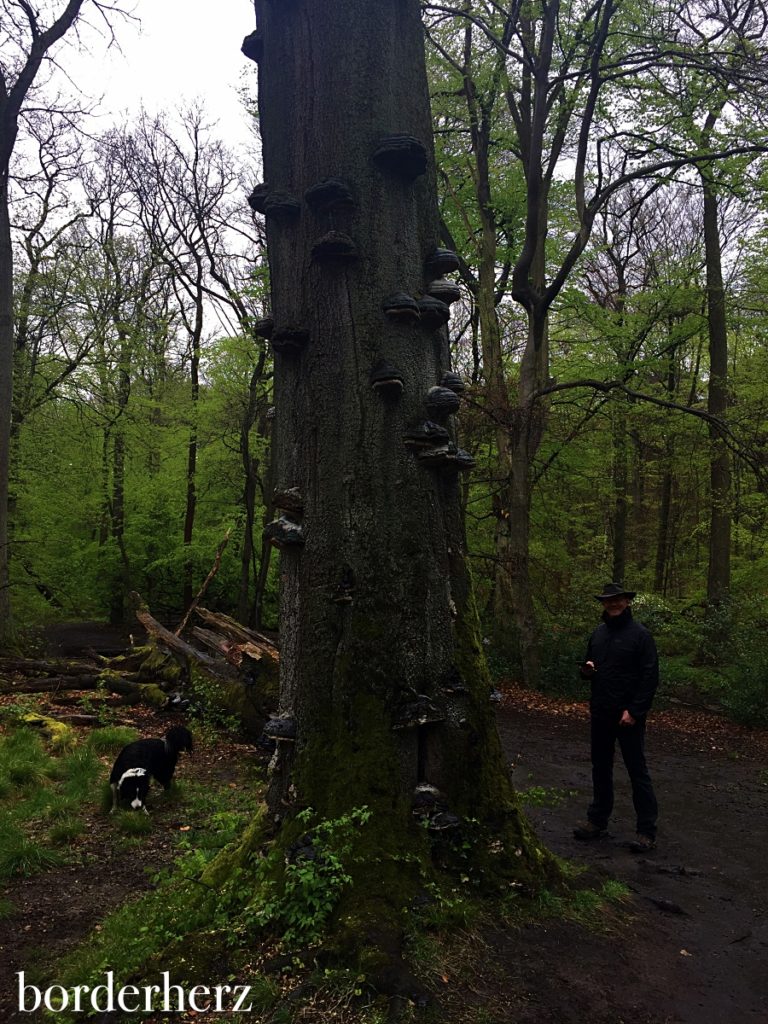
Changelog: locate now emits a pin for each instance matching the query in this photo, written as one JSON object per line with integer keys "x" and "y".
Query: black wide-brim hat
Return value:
{"x": 614, "y": 590}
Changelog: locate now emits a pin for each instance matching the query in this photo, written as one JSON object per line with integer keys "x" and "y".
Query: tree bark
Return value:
{"x": 664, "y": 534}
{"x": 6, "y": 399}
{"x": 663, "y": 541}
{"x": 719, "y": 570}
{"x": 620, "y": 490}
{"x": 192, "y": 444}
{"x": 527, "y": 432}
{"x": 376, "y": 605}
{"x": 250, "y": 471}
{"x": 498, "y": 405}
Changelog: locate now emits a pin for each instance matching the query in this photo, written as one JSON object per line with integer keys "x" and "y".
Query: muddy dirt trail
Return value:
{"x": 699, "y": 954}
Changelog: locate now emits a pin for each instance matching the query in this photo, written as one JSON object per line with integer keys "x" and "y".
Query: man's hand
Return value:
{"x": 626, "y": 719}
{"x": 588, "y": 669}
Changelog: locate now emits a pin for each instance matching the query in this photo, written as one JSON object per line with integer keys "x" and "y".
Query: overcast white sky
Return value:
{"x": 182, "y": 50}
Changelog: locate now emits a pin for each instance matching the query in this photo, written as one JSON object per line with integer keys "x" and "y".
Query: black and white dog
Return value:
{"x": 144, "y": 760}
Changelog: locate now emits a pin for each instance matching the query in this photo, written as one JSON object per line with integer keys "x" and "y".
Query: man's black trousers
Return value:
{"x": 605, "y": 730}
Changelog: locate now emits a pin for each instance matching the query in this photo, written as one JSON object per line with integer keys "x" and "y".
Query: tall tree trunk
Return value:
{"x": 719, "y": 571}
{"x": 375, "y": 602}
{"x": 664, "y": 536}
{"x": 620, "y": 469}
{"x": 250, "y": 469}
{"x": 663, "y": 541}
{"x": 192, "y": 443}
{"x": 247, "y": 551}
{"x": 6, "y": 401}
{"x": 119, "y": 590}
{"x": 527, "y": 432}
{"x": 256, "y": 617}
{"x": 498, "y": 405}
{"x": 121, "y": 585}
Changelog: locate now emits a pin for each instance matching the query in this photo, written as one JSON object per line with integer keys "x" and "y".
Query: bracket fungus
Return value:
{"x": 281, "y": 204}
{"x": 433, "y": 313}
{"x": 288, "y": 499}
{"x": 425, "y": 435}
{"x": 334, "y": 247}
{"x": 453, "y": 382}
{"x": 282, "y": 729}
{"x": 427, "y": 800}
{"x": 386, "y": 379}
{"x": 290, "y": 341}
{"x": 327, "y": 194}
{"x": 421, "y": 711}
{"x": 401, "y": 307}
{"x": 447, "y": 456}
{"x": 258, "y": 197}
{"x": 445, "y": 290}
{"x": 403, "y": 155}
{"x": 441, "y": 403}
{"x": 284, "y": 533}
{"x": 253, "y": 46}
{"x": 263, "y": 328}
{"x": 461, "y": 460}
{"x": 441, "y": 262}
{"x": 302, "y": 849}
{"x": 437, "y": 456}
{"x": 444, "y": 821}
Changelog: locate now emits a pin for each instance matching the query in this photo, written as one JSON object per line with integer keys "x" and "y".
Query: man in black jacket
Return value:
{"x": 623, "y": 667}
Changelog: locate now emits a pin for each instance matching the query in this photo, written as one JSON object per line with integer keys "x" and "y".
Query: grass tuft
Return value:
{"x": 22, "y": 856}
{"x": 133, "y": 823}
{"x": 111, "y": 739}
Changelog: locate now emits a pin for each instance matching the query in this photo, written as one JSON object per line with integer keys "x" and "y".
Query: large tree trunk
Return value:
{"x": 375, "y": 602}
{"x": 719, "y": 574}
{"x": 6, "y": 398}
{"x": 664, "y": 539}
{"x": 192, "y": 444}
{"x": 664, "y": 534}
{"x": 527, "y": 432}
{"x": 498, "y": 405}
{"x": 620, "y": 472}
{"x": 250, "y": 465}
{"x": 120, "y": 587}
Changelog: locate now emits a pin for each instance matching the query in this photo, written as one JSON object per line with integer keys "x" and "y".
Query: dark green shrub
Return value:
{"x": 745, "y": 698}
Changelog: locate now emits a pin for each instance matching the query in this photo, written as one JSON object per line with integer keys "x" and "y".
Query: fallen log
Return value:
{"x": 72, "y": 718}
{"x": 234, "y": 653}
{"x": 32, "y": 666}
{"x": 149, "y": 693}
{"x": 245, "y": 676}
{"x": 50, "y": 684}
{"x": 236, "y": 631}
{"x": 175, "y": 643}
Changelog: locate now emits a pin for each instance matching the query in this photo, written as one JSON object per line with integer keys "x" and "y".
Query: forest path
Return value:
{"x": 698, "y": 949}
{"x": 690, "y": 948}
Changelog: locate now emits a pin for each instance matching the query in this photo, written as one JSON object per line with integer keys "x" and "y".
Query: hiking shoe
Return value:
{"x": 642, "y": 843}
{"x": 588, "y": 831}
